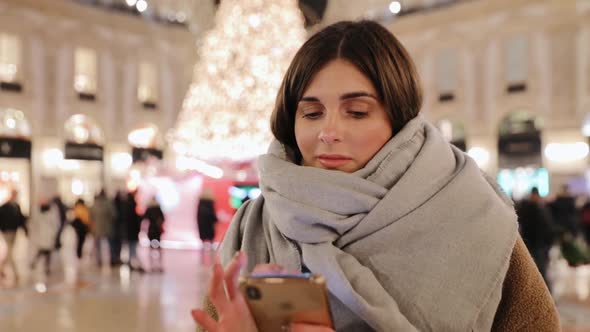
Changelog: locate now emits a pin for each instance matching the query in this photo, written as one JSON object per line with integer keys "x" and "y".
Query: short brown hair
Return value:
{"x": 374, "y": 51}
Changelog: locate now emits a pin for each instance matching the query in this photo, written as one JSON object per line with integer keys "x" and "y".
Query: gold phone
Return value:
{"x": 277, "y": 300}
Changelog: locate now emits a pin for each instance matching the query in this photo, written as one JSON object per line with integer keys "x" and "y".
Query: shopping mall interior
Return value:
{"x": 168, "y": 102}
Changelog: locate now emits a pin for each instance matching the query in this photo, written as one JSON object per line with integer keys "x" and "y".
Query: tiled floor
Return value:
{"x": 106, "y": 299}
{"x": 120, "y": 300}
{"x": 110, "y": 300}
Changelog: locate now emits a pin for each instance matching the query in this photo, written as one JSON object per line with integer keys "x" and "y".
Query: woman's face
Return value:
{"x": 340, "y": 123}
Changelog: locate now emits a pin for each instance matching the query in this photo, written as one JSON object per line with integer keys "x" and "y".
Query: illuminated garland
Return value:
{"x": 225, "y": 114}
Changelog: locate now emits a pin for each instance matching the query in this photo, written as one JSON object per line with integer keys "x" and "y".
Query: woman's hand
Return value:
{"x": 232, "y": 309}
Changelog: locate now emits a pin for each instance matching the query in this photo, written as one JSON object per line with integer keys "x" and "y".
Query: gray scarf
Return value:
{"x": 418, "y": 239}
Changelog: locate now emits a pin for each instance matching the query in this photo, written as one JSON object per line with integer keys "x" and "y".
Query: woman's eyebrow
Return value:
{"x": 311, "y": 99}
{"x": 348, "y": 95}
{"x": 356, "y": 94}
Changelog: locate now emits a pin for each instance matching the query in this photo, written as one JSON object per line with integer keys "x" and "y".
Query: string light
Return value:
{"x": 141, "y": 5}
{"x": 395, "y": 7}
{"x": 225, "y": 114}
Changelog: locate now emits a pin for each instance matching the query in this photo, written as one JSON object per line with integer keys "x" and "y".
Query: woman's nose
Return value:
{"x": 330, "y": 132}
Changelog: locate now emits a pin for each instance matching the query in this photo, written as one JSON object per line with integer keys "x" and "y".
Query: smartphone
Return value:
{"x": 278, "y": 300}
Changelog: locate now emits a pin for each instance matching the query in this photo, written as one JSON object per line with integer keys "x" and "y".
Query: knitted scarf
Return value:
{"x": 418, "y": 239}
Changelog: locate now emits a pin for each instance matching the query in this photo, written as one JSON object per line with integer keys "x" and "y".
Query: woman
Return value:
{"x": 47, "y": 224}
{"x": 206, "y": 218}
{"x": 133, "y": 229}
{"x": 103, "y": 216}
{"x": 82, "y": 223}
{"x": 156, "y": 220}
{"x": 408, "y": 232}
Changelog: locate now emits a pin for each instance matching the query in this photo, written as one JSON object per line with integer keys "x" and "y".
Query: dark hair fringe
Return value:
{"x": 374, "y": 51}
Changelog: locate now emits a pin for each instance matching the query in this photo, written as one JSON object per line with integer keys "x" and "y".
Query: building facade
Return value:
{"x": 509, "y": 80}
{"x": 87, "y": 92}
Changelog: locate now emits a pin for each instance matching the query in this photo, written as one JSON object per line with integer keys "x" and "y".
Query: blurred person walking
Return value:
{"x": 81, "y": 223}
{"x": 119, "y": 227}
{"x": 43, "y": 232}
{"x": 103, "y": 217}
{"x": 156, "y": 220}
{"x": 62, "y": 210}
{"x": 585, "y": 220}
{"x": 536, "y": 229}
{"x": 133, "y": 228}
{"x": 11, "y": 219}
{"x": 206, "y": 218}
{"x": 563, "y": 209}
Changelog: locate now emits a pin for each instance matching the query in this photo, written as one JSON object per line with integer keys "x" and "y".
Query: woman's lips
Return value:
{"x": 333, "y": 161}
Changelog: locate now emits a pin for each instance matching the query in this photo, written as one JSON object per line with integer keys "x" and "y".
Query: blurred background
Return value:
{"x": 164, "y": 105}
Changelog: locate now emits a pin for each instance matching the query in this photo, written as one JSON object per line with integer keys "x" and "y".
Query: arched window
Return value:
{"x": 81, "y": 129}
{"x": 145, "y": 136}
{"x": 146, "y": 142}
{"x": 13, "y": 124}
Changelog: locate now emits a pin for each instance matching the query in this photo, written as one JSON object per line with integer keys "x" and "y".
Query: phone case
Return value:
{"x": 276, "y": 301}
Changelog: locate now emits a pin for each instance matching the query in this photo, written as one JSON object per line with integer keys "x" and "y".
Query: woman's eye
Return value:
{"x": 358, "y": 114}
{"x": 312, "y": 115}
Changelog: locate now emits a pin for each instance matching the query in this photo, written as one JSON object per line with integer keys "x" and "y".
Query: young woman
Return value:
{"x": 359, "y": 188}
{"x": 44, "y": 231}
{"x": 82, "y": 223}
{"x": 206, "y": 218}
{"x": 156, "y": 219}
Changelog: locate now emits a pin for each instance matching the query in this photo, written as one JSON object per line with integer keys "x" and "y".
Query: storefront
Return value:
{"x": 520, "y": 159}
{"x": 146, "y": 142}
{"x": 82, "y": 169}
{"x": 15, "y": 157}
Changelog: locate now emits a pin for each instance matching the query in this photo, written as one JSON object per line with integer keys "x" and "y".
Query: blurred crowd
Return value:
{"x": 563, "y": 221}
{"x": 110, "y": 222}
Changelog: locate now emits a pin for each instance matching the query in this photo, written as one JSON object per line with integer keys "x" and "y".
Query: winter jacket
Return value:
{"x": 103, "y": 216}
{"x": 155, "y": 216}
{"x": 45, "y": 228}
{"x": 206, "y": 219}
{"x": 11, "y": 217}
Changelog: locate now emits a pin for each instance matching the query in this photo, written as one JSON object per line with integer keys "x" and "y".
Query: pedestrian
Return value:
{"x": 103, "y": 217}
{"x": 133, "y": 229}
{"x": 564, "y": 212}
{"x": 44, "y": 231}
{"x": 537, "y": 230}
{"x": 206, "y": 218}
{"x": 82, "y": 223}
{"x": 156, "y": 220}
{"x": 120, "y": 227}
{"x": 11, "y": 219}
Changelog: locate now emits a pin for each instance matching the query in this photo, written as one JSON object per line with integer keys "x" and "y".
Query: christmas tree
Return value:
{"x": 226, "y": 112}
